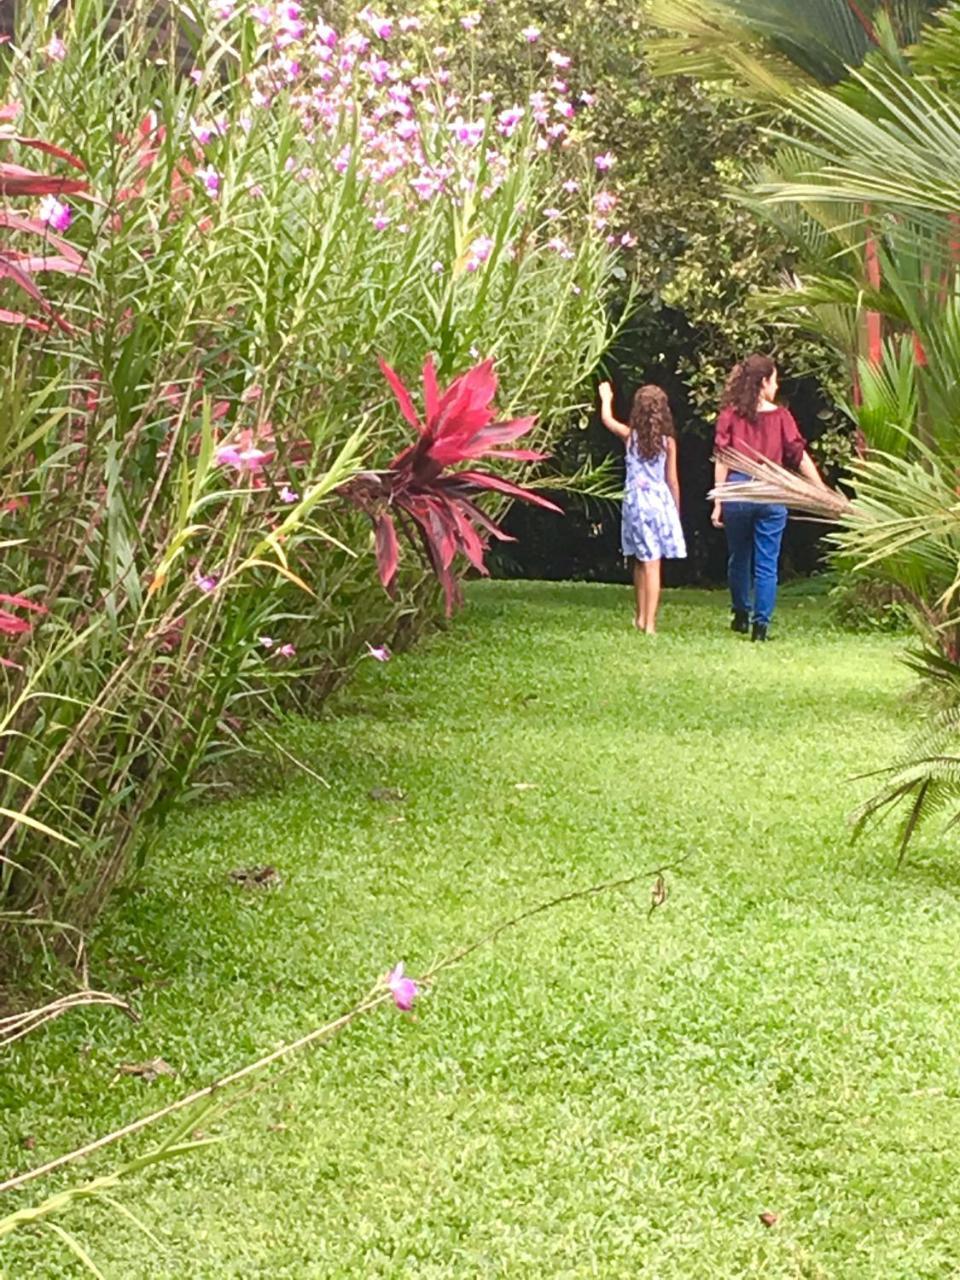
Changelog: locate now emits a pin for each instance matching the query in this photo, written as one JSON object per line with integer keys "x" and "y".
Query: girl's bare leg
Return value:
{"x": 639, "y": 586}
{"x": 651, "y": 595}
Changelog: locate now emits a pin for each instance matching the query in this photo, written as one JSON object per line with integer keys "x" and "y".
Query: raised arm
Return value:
{"x": 606, "y": 413}
{"x": 673, "y": 482}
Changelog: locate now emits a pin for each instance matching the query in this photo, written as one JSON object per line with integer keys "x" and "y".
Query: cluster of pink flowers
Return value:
{"x": 416, "y": 140}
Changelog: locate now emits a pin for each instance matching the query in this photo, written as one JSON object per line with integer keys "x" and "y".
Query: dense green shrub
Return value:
{"x": 257, "y": 229}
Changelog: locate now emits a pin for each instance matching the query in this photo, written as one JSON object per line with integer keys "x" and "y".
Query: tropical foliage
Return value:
{"x": 870, "y": 186}
{"x": 184, "y": 451}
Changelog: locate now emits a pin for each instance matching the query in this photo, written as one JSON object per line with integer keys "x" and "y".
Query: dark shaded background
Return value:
{"x": 584, "y": 544}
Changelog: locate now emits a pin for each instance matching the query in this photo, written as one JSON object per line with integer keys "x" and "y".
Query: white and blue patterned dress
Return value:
{"x": 651, "y": 522}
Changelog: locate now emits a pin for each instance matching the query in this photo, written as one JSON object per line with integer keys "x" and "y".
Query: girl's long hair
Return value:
{"x": 650, "y": 421}
{"x": 742, "y": 392}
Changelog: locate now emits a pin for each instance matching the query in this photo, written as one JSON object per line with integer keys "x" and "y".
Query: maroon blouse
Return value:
{"x": 774, "y": 435}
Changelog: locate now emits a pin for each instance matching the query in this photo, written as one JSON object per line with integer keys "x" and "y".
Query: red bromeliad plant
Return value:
{"x": 21, "y": 267}
{"x": 433, "y": 505}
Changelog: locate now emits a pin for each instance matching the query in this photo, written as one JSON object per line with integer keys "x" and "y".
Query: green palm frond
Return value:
{"x": 773, "y": 47}
{"x": 926, "y": 778}
{"x": 888, "y": 413}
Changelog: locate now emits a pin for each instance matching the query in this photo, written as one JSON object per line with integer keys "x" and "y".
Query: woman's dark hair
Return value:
{"x": 742, "y": 392}
{"x": 650, "y": 421}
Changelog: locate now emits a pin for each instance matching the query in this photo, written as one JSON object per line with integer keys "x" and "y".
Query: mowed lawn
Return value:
{"x": 602, "y": 1093}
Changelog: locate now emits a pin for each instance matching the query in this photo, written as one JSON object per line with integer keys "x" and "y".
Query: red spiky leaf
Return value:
{"x": 18, "y": 318}
{"x": 431, "y": 392}
{"x": 402, "y": 395}
{"x": 484, "y": 480}
{"x": 18, "y": 222}
{"x": 388, "y": 551}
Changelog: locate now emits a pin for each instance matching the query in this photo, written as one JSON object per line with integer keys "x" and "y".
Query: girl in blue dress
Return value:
{"x": 651, "y": 502}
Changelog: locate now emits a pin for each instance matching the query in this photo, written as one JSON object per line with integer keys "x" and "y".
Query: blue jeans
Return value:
{"x": 754, "y": 534}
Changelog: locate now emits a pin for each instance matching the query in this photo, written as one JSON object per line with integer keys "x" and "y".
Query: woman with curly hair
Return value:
{"x": 752, "y": 423}
{"x": 651, "y": 504}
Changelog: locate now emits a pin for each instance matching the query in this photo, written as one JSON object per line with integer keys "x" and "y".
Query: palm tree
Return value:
{"x": 775, "y": 47}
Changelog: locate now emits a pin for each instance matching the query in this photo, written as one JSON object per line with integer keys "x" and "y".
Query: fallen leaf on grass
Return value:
{"x": 386, "y": 795}
{"x": 769, "y": 1219}
{"x": 256, "y": 877}
{"x": 148, "y": 1071}
{"x": 659, "y": 893}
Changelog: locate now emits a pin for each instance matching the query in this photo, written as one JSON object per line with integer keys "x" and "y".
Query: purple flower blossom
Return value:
{"x": 508, "y": 120}
{"x": 557, "y": 245}
{"x": 241, "y": 459}
{"x": 223, "y": 10}
{"x": 469, "y": 132}
{"x": 210, "y": 179}
{"x": 571, "y": 186}
{"x": 558, "y": 60}
{"x": 326, "y": 34}
{"x": 202, "y": 132}
{"x": 628, "y": 240}
{"x": 286, "y": 651}
{"x": 206, "y": 582}
{"x": 381, "y": 221}
{"x": 355, "y": 43}
{"x": 531, "y": 34}
{"x": 266, "y": 642}
{"x": 289, "y": 495}
{"x": 551, "y": 213}
{"x": 437, "y": 268}
{"x": 404, "y": 990}
{"x": 410, "y": 24}
{"x": 55, "y": 213}
{"x": 604, "y": 202}
{"x": 470, "y": 21}
{"x": 481, "y": 248}
{"x": 56, "y": 50}
{"x": 380, "y": 652}
{"x": 605, "y": 161}
{"x": 381, "y": 27}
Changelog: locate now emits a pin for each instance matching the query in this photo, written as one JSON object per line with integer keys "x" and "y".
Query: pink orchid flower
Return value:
{"x": 210, "y": 179}
{"x": 404, "y": 990}
{"x": 241, "y": 459}
{"x": 56, "y": 50}
{"x": 266, "y": 642}
{"x": 289, "y": 495}
{"x": 206, "y": 582}
{"x": 287, "y": 651}
{"x": 531, "y": 34}
{"x": 380, "y": 652}
{"x": 559, "y": 60}
{"x": 605, "y": 161}
{"x": 55, "y": 213}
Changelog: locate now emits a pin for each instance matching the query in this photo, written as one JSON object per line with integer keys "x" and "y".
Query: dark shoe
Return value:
{"x": 759, "y": 631}
{"x": 740, "y": 623}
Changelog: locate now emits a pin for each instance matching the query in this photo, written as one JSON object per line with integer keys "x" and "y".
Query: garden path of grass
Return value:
{"x": 603, "y": 1093}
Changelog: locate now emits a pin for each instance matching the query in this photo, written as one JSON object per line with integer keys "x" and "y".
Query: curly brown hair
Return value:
{"x": 650, "y": 421}
{"x": 742, "y": 392}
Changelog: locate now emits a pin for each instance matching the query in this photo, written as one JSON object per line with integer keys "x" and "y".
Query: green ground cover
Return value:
{"x": 603, "y": 1093}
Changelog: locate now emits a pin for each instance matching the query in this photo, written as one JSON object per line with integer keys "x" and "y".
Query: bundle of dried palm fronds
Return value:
{"x": 769, "y": 482}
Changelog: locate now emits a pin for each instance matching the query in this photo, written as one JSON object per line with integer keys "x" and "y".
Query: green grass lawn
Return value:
{"x": 602, "y": 1093}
